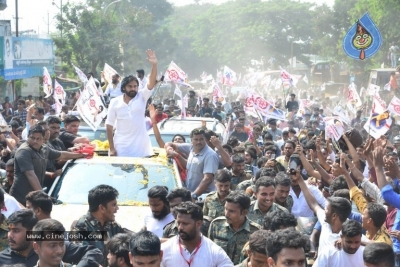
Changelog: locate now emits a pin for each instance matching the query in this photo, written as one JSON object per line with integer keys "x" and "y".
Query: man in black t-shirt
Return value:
{"x": 69, "y": 135}
{"x": 292, "y": 104}
{"x": 205, "y": 108}
{"x": 239, "y": 133}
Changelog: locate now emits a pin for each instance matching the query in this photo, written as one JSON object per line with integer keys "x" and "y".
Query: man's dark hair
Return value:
{"x": 293, "y": 131}
{"x": 338, "y": 183}
{"x": 21, "y": 101}
{"x": 158, "y": 191}
{"x": 257, "y": 241}
{"x": 40, "y": 110}
{"x": 145, "y": 243}
{"x": 101, "y": 195}
{"x": 252, "y": 152}
{"x": 266, "y": 182}
{"x": 282, "y": 179}
{"x": 290, "y": 142}
{"x": 206, "y": 99}
{"x": 126, "y": 80}
{"x": 268, "y": 136}
{"x": 228, "y": 147}
{"x": 119, "y": 246}
{"x": 197, "y": 131}
{"x": 25, "y": 217}
{"x": 344, "y": 193}
{"x": 233, "y": 141}
{"x": 340, "y": 206}
{"x": 10, "y": 162}
{"x": 141, "y": 71}
{"x": 238, "y": 150}
{"x": 287, "y": 238}
{"x": 265, "y": 172}
{"x": 53, "y": 119}
{"x": 209, "y": 133}
{"x": 311, "y": 145}
{"x": 237, "y": 158}
{"x": 37, "y": 129}
{"x": 181, "y": 192}
{"x": 379, "y": 254}
{"x": 377, "y": 213}
{"x": 15, "y": 124}
{"x": 240, "y": 198}
{"x": 40, "y": 199}
{"x": 71, "y": 118}
{"x": 42, "y": 123}
{"x": 48, "y": 225}
{"x": 270, "y": 148}
{"x": 279, "y": 219}
{"x": 351, "y": 228}
{"x": 261, "y": 161}
{"x": 223, "y": 176}
{"x": 188, "y": 207}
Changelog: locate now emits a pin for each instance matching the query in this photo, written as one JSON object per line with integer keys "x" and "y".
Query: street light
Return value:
{"x": 291, "y": 43}
{"x": 60, "y": 8}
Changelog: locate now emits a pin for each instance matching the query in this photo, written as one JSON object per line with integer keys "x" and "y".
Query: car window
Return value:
{"x": 131, "y": 180}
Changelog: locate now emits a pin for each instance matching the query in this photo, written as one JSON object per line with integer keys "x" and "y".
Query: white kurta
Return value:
{"x": 130, "y": 137}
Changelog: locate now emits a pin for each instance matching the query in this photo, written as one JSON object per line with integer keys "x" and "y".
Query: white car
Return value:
{"x": 132, "y": 177}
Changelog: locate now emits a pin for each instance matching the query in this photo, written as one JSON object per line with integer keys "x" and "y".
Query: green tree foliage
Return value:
{"x": 98, "y": 32}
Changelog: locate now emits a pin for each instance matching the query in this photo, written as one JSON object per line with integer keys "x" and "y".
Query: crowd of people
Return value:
{"x": 276, "y": 193}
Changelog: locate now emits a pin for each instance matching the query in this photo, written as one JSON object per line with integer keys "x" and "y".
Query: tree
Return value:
{"x": 114, "y": 33}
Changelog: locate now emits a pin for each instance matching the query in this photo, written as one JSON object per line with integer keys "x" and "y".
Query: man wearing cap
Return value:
{"x": 142, "y": 79}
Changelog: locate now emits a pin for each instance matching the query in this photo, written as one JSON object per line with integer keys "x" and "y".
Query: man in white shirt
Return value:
{"x": 335, "y": 214}
{"x": 126, "y": 115}
{"x": 190, "y": 247}
{"x": 160, "y": 215}
{"x": 351, "y": 253}
{"x": 114, "y": 88}
{"x": 142, "y": 79}
{"x": 300, "y": 207}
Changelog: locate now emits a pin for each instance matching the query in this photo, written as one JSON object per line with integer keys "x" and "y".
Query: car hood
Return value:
{"x": 130, "y": 217}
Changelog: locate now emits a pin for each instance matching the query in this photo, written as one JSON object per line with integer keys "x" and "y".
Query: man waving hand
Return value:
{"x": 126, "y": 115}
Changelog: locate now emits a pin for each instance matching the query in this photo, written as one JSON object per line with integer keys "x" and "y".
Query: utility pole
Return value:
{"x": 48, "y": 23}
{"x": 16, "y": 18}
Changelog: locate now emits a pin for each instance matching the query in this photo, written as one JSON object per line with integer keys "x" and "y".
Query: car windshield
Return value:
{"x": 131, "y": 180}
{"x": 100, "y": 134}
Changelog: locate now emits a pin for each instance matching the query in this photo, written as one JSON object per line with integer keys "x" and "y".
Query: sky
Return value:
{"x": 38, "y": 19}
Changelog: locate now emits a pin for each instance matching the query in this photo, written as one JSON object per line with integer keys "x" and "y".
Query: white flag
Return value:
{"x": 178, "y": 91}
{"x": 378, "y": 124}
{"x": 59, "y": 94}
{"x": 394, "y": 106}
{"x": 89, "y": 105}
{"x": 229, "y": 77}
{"x": 82, "y": 76}
{"x": 353, "y": 99}
{"x": 108, "y": 72}
{"x": 47, "y": 84}
{"x": 305, "y": 79}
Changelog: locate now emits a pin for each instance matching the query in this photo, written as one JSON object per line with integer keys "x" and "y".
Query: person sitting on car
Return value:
{"x": 69, "y": 134}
